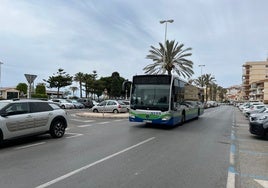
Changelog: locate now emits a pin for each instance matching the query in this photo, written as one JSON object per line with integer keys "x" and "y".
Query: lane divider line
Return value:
{"x": 80, "y": 126}
{"x": 30, "y": 145}
{"x": 74, "y": 135}
{"x": 93, "y": 164}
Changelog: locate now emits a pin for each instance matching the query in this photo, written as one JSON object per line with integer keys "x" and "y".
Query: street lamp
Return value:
{"x": 1, "y": 63}
{"x": 201, "y": 68}
{"x": 162, "y": 22}
{"x": 202, "y": 81}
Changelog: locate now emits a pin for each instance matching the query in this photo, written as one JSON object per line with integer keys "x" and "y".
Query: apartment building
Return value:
{"x": 234, "y": 93}
{"x": 255, "y": 81}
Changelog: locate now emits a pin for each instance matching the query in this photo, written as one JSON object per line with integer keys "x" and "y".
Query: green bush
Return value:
{"x": 39, "y": 96}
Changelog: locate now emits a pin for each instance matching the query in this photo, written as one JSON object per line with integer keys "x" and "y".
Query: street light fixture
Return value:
{"x": 162, "y": 22}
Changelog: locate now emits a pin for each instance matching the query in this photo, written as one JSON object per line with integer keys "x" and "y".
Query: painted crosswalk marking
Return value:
{"x": 262, "y": 183}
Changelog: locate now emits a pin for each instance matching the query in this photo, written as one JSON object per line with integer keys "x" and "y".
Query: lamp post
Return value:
{"x": 202, "y": 81}
{"x": 1, "y": 63}
{"x": 201, "y": 68}
{"x": 165, "y": 22}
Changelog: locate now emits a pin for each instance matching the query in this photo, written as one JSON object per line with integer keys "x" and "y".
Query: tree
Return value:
{"x": 222, "y": 92}
{"x": 170, "y": 57}
{"x": 116, "y": 84}
{"x": 59, "y": 80}
{"x": 40, "y": 91}
{"x": 213, "y": 91}
{"x": 208, "y": 80}
{"x": 87, "y": 80}
{"x": 200, "y": 81}
{"x": 40, "y": 88}
{"x": 78, "y": 77}
{"x": 22, "y": 87}
{"x": 74, "y": 89}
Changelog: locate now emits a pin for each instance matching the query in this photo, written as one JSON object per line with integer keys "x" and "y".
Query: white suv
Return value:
{"x": 20, "y": 118}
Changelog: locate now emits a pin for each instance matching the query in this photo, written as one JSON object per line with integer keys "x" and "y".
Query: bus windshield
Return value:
{"x": 150, "y": 97}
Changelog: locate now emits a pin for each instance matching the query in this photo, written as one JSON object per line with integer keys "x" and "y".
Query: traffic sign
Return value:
{"x": 30, "y": 78}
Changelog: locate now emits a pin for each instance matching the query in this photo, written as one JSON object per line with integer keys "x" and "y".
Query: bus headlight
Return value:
{"x": 166, "y": 118}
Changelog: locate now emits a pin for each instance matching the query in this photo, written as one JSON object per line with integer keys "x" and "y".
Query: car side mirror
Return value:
{"x": 4, "y": 114}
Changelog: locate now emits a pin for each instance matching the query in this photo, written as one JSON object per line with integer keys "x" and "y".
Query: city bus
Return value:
{"x": 164, "y": 99}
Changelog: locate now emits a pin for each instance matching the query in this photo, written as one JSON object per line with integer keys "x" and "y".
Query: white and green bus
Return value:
{"x": 164, "y": 99}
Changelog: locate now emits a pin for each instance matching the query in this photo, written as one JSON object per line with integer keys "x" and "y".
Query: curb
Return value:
{"x": 103, "y": 115}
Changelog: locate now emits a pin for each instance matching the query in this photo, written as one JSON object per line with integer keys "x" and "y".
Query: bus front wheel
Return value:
{"x": 182, "y": 119}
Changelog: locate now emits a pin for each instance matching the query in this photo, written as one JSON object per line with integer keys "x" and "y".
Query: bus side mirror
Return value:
{"x": 124, "y": 85}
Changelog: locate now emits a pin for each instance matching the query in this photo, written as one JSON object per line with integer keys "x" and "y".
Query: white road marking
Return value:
{"x": 102, "y": 123}
{"x": 85, "y": 125}
{"x": 92, "y": 164}
{"x": 262, "y": 183}
{"x": 117, "y": 120}
{"x": 30, "y": 145}
{"x": 230, "y": 180}
{"x": 74, "y": 135}
{"x": 80, "y": 120}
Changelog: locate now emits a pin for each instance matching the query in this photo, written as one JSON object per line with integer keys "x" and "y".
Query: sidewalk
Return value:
{"x": 250, "y": 155}
{"x": 103, "y": 115}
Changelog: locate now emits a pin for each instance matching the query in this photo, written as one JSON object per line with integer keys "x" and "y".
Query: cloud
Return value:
{"x": 38, "y": 37}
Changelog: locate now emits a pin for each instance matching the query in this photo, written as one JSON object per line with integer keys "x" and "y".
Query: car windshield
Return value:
{"x": 263, "y": 109}
{"x": 3, "y": 104}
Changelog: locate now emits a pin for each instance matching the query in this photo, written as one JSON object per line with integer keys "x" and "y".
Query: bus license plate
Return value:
{"x": 147, "y": 121}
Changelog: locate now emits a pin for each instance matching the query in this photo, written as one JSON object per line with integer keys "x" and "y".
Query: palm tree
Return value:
{"x": 200, "y": 81}
{"x": 208, "y": 80}
{"x": 87, "y": 80}
{"x": 74, "y": 89}
{"x": 170, "y": 57}
{"x": 213, "y": 91}
{"x": 78, "y": 77}
{"x": 222, "y": 92}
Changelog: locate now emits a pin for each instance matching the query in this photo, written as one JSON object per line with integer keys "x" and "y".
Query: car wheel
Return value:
{"x": 57, "y": 128}
{"x": 95, "y": 110}
{"x": 115, "y": 111}
{"x": 62, "y": 106}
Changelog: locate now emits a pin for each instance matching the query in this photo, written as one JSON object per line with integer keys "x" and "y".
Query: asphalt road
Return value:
{"x": 116, "y": 153}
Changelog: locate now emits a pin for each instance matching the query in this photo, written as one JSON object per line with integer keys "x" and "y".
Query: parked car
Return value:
{"x": 127, "y": 103}
{"x": 110, "y": 106}
{"x": 21, "y": 118}
{"x": 95, "y": 102}
{"x": 63, "y": 103}
{"x": 76, "y": 104}
{"x": 87, "y": 102}
{"x": 258, "y": 124}
{"x": 210, "y": 104}
{"x": 253, "y": 109}
{"x": 248, "y": 104}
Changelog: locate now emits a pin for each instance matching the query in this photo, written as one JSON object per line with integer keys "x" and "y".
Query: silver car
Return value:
{"x": 258, "y": 124}
{"x": 63, "y": 103}
{"x": 29, "y": 117}
{"x": 110, "y": 106}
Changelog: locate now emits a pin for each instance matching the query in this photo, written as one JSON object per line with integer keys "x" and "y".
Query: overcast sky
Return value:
{"x": 40, "y": 36}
